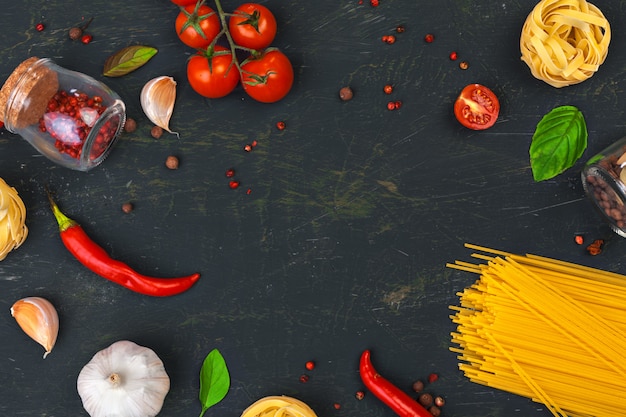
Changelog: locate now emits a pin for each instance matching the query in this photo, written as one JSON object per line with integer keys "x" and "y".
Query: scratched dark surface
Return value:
{"x": 354, "y": 210}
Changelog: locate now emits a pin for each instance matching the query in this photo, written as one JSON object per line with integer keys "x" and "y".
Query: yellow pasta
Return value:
{"x": 545, "y": 329}
{"x": 13, "y": 230}
{"x": 278, "y": 406}
{"x": 564, "y": 42}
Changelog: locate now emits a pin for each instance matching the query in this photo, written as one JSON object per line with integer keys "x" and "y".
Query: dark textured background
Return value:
{"x": 353, "y": 212}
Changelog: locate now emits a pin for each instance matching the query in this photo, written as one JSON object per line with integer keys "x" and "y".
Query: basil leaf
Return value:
{"x": 559, "y": 140}
{"x": 127, "y": 60}
{"x": 214, "y": 380}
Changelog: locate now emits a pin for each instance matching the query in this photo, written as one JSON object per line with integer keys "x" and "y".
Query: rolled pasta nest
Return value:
{"x": 13, "y": 230}
{"x": 564, "y": 42}
{"x": 278, "y": 406}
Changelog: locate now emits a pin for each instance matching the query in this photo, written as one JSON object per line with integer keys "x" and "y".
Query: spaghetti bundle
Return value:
{"x": 564, "y": 42}
{"x": 549, "y": 330}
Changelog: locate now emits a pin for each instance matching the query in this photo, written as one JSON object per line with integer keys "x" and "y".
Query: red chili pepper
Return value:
{"x": 95, "y": 258}
{"x": 396, "y": 399}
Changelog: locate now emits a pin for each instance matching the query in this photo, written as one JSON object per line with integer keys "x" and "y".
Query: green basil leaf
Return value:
{"x": 214, "y": 380}
{"x": 127, "y": 60}
{"x": 558, "y": 142}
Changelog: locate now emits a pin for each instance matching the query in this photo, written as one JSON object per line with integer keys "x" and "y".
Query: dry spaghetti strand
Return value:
{"x": 545, "y": 329}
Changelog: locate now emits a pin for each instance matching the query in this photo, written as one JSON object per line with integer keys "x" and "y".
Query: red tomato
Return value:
{"x": 197, "y": 25}
{"x": 252, "y": 26}
{"x": 213, "y": 76}
{"x": 184, "y": 2}
{"x": 477, "y": 107}
{"x": 269, "y": 77}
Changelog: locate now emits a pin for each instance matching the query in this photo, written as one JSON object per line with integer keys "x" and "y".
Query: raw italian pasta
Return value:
{"x": 564, "y": 42}
{"x": 13, "y": 230}
{"x": 278, "y": 406}
{"x": 545, "y": 329}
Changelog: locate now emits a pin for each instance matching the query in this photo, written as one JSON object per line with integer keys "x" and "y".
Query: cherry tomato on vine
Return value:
{"x": 477, "y": 107}
{"x": 184, "y": 2}
{"x": 252, "y": 26}
{"x": 197, "y": 25}
{"x": 268, "y": 77}
{"x": 213, "y": 74}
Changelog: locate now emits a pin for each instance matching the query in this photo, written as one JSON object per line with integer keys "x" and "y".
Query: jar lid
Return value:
{"x": 42, "y": 81}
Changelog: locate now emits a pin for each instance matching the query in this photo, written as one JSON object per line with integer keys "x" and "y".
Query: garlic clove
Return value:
{"x": 157, "y": 101}
{"x": 38, "y": 319}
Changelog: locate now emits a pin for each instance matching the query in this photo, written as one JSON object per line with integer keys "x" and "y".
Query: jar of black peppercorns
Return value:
{"x": 604, "y": 181}
{"x": 67, "y": 116}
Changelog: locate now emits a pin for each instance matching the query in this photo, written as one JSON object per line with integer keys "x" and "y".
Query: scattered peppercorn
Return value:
{"x": 156, "y": 132}
{"x": 359, "y": 395}
{"x": 130, "y": 125}
{"x": 418, "y": 386}
{"x": 127, "y": 207}
{"x": 310, "y": 365}
{"x": 346, "y": 94}
{"x": 374, "y": 3}
{"x": 249, "y": 191}
{"x": 579, "y": 239}
{"x": 235, "y": 184}
{"x": 281, "y": 125}
{"x": 434, "y": 410}
{"x": 429, "y": 38}
{"x": 337, "y": 406}
{"x": 75, "y": 33}
{"x": 86, "y": 39}
{"x": 439, "y": 401}
{"x": 391, "y": 105}
{"x": 388, "y": 89}
{"x": 247, "y": 148}
{"x": 40, "y": 27}
{"x": 171, "y": 162}
{"x": 433, "y": 377}
{"x": 426, "y": 399}
{"x": 400, "y": 29}
{"x": 453, "y": 56}
{"x": 389, "y": 39}
{"x": 397, "y": 104}
{"x": 230, "y": 173}
{"x": 254, "y": 143}
{"x": 304, "y": 378}
{"x": 464, "y": 65}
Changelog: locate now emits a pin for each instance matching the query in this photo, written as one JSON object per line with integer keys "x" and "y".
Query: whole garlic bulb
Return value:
{"x": 39, "y": 319}
{"x": 13, "y": 230}
{"x": 123, "y": 380}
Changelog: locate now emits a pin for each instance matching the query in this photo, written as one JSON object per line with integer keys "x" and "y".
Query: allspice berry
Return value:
{"x": 171, "y": 162}
{"x": 426, "y": 400}
{"x": 434, "y": 410}
{"x": 346, "y": 94}
{"x": 418, "y": 386}
{"x": 127, "y": 207}
{"x": 156, "y": 132}
{"x": 75, "y": 33}
{"x": 130, "y": 125}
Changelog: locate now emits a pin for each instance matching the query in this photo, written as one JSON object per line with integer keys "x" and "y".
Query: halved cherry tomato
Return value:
{"x": 197, "y": 25}
{"x": 252, "y": 26}
{"x": 213, "y": 74}
{"x": 268, "y": 77}
{"x": 477, "y": 107}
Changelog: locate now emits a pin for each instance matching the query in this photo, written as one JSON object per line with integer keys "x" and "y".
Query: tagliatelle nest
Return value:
{"x": 13, "y": 231}
{"x": 564, "y": 42}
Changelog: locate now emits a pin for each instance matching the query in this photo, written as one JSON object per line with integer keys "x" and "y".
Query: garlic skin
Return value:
{"x": 123, "y": 380}
{"x": 39, "y": 320}
{"x": 157, "y": 101}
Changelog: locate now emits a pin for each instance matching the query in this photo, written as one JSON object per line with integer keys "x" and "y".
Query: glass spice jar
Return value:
{"x": 604, "y": 181}
{"x": 69, "y": 117}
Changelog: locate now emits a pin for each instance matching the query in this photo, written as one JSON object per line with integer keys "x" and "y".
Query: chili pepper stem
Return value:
{"x": 63, "y": 221}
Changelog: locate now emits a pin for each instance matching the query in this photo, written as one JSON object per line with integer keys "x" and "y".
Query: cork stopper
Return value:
{"x": 36, "y": 89}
